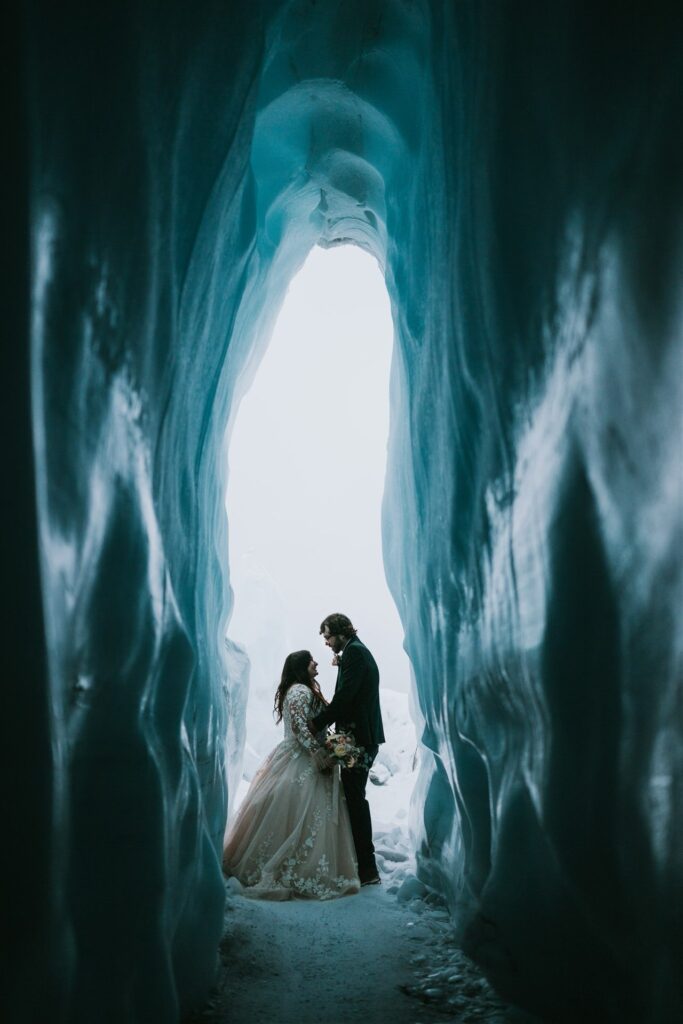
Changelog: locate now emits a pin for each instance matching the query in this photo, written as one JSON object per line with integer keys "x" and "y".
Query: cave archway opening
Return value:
{"x": 306, "y": 468}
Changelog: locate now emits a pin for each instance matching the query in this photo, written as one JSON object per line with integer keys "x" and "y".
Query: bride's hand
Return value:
{"x": 322, "y": 760}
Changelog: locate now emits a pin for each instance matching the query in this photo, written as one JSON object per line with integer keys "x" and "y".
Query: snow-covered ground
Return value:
{"x": 372, "y": 958}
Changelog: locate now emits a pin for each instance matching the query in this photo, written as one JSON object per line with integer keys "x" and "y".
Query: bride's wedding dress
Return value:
{"x": 291, "y": 837}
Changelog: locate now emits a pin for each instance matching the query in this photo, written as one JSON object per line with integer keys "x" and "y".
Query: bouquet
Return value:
{"x": 341, "y": 747}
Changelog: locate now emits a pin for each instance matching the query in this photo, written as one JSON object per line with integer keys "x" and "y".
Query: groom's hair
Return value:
{"x": 338, "y": 625}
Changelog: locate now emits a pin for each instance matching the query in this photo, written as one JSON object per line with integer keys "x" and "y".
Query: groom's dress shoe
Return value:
{"x": 376, "y": 880}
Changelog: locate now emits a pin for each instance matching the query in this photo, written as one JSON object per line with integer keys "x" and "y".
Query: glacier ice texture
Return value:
{"x": 516, "y": 171}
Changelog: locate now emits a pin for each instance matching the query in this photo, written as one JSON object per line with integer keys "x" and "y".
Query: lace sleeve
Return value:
{"x": 299, "y": 704}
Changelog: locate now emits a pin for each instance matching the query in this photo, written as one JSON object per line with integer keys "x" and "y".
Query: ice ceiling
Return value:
{"x": 516, "y": 169}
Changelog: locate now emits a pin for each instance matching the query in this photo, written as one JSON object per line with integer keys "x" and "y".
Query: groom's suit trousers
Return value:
{"x": 355, "y": 709}
{"x": 354, "y": 781}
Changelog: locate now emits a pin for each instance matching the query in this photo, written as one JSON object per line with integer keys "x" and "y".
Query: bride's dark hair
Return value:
{"x": 295, "y": 670}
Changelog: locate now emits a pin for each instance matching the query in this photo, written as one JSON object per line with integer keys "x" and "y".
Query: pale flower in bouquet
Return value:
{"x": 342, "y": 748}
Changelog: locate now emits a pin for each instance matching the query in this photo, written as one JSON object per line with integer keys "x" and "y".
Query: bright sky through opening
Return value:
{"x": 307, "y": 464}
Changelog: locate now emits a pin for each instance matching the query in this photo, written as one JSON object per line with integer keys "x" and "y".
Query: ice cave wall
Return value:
{"x": 516, "y": 170}
{"x": 138, "y": 116}
{"x": 541, "y": 587}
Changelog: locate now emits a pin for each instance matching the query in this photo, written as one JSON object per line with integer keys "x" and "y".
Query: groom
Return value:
{"x": 355, "y": 709}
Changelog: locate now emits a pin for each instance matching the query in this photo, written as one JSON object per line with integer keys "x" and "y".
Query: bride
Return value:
{"x": 291, "y": 837}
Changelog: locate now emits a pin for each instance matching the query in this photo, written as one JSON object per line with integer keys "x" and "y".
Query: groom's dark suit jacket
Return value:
{"x": 355, "y": 705}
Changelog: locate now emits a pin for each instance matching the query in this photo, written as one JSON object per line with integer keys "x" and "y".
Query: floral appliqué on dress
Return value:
{"x": 292, "y": 836}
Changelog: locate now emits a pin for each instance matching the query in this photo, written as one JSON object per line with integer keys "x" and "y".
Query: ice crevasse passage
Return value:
{"x": 516, "y": 171}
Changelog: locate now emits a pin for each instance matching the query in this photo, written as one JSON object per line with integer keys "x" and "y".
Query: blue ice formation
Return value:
{"x": 516, "y": 171}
